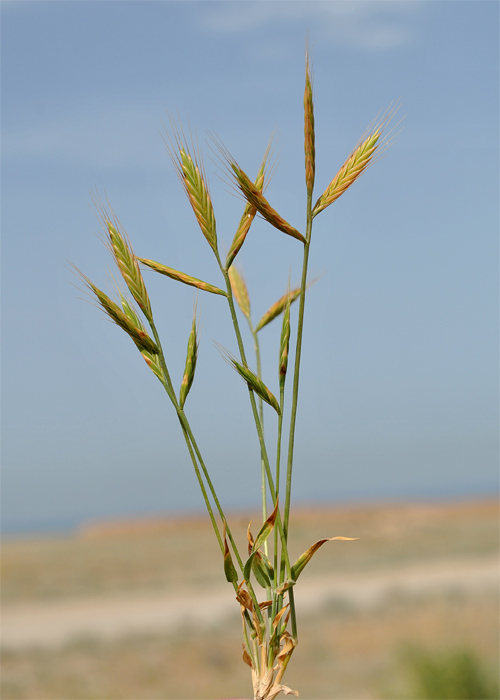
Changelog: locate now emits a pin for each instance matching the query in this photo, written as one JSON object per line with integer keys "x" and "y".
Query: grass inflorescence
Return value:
{"x": 264, "y": 578}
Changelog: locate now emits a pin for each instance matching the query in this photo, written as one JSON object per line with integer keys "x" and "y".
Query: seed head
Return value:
{"x": 257, "y": 199}
{"x": 309, "y": 148}
{"x": 191, "y": 357}
{"x": 248, "y": 215}
{"x": 121, "y": 318}
{"x": 284, "y": 342}
{"x": 355, "y": 165}
{"x": 120, "y": 247}
{"x": 253, "y": 381}
{"x": 277, "y": 308}
{"x": 240, "y": 290}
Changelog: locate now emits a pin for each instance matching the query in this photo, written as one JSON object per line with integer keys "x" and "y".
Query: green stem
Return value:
{"x": 261, "y": 416}
{"x": 277, "y": 574}
{"x": 279, "y": 523}
{"x": 298, "y": 349}
{"x": 258, "y": 425}
{"x": 192, "y": 445}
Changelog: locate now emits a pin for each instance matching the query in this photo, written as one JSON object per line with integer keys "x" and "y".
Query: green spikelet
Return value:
{"x": 196, "y": 187}
{"x": 253, "y": 382}
{"x": 126, "y": 261}
{"x": 191, "y": 357}
{"x": 284, "y": 343}
{"x": 151, "y": 359}
{"x": 118, "y": 316}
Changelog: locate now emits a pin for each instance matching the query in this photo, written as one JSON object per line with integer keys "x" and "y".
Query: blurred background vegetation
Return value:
{"x": 438, "y": 640}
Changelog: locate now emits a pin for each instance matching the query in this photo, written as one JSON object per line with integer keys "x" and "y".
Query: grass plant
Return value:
{"x": 457, "y": 674}
{"x": 263, "y": 578}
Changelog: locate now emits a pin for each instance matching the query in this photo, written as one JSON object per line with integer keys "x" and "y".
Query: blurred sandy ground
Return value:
{"x": 141, "y": 610}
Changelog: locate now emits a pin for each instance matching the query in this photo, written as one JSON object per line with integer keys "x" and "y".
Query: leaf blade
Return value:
{"x": 305, "y": 558}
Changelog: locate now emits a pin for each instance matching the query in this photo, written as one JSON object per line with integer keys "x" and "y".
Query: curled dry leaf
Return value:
{"x": 276, "y": 689}
{"x": 246, "y": 657}
{"x": 243, "y": 597}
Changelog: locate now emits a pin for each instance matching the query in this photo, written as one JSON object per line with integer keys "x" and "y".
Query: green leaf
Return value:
{"x": 229, "y": 570}
{"x": 248, "y": 566}
{"x": 259, "y": 571}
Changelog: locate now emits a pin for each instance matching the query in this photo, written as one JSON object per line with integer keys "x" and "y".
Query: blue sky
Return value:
{"x": 399, "y": 394}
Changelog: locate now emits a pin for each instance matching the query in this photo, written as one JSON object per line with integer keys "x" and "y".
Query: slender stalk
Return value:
{"x": 256, "y": 345}
{"x": 192, "y": 449}
{"x": 258, "y": 424}
{"x": 192, "y": 445}
{"x": 279, "y": 523}
{"x": 298, "y": 350}
{"x": 278, "y": 459}
{"x": 171, "y": 394}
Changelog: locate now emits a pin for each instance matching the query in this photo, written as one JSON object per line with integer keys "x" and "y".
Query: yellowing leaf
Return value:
{"x": 303, "y": 560}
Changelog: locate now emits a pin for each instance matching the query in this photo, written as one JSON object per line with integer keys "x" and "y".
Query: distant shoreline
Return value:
{"x": 154, "y": 520}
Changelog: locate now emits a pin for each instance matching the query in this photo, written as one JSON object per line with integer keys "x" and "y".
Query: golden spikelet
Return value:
{"x": 248, "y": 215}
{"x": 255, "y": 197}
{"x": 197, "y": 191}
{"x": 129, "y": 267}
{"x": 152, "y": 359}
{"x": 194, "y": 181}
{"x": 120, "y": 247}
{"x": 241, "y": 233}
{"x": 122, "y": 319}
{"x": 309, "y": 148}
{"x": 278, "y": 307}
{"x": 181, "y": 277}
{"x": 240, "y": 290}
{"x": 354, "y": 166}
